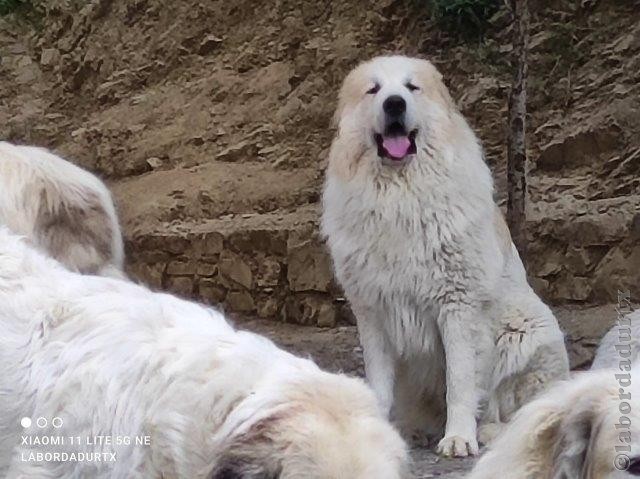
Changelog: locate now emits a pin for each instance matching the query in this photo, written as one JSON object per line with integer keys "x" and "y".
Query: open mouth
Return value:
{"x": 396, "y": 144}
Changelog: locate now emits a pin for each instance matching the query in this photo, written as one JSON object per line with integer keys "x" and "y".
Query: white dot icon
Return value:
{"x": 25, "y": 422}
{"x": 41, "y": 422}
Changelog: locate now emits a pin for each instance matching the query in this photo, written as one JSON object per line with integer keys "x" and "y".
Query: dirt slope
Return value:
{"x": 218, "y": 115}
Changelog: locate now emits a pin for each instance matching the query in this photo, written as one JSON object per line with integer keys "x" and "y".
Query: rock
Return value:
{"x": 197, "y": 140}
{"x": 268, "y": 308}
{"x": 149, "y": 274}
{"x": 573, "y": 288}
{"x": 551, "y": 264}
{"x": 233, "y": 268}
{"x": 180, "y": 285}
{"x": 129, "y": 165}
{"x": 181, "y": 268}
{"x": 269, "y": 242}
{"x": 309, "y": 266}
{"x": 240, "y": 301}
{"x": 618, "y": 271}
{"x": 269, "y": 272}
{"x": 578, "y": 149}
{"x": 208, "y": 245}
{"x": 539, "y": 285}
{"x": 26, "y": 70}
{"x": 592, "y": 229}
{"x": 161, "y": 243}
{"x": 49, "y": 57}
{"x": 211, "y": 292}
{"x": 327, "y": 317}
{"x": 310, "y": 310}
{"x": 154, "y": 162}
{"x": 206, "y": 269}
{"x": 345, "y": 314}
{"x": 635, "y": 227}
{"x": 584, "y": 327}
{"x": 244, "y": 150}
{"x": 209, "y": 44}
{"x": 582, "y": 260}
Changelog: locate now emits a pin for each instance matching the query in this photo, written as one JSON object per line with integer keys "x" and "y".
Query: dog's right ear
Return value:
{"x": 251, "y": 454}
{"x": 341, "y": 106}
{"x": 573, "y": 448}
{"x": 227, "y": 473}
{"x": 560, "y": 434}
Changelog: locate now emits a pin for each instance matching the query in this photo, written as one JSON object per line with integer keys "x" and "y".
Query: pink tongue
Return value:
{"x": 397, "y": 146}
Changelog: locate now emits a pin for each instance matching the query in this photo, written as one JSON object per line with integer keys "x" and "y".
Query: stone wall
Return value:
{"x": 277, "y": 267}
{"x": 587, "y": 258}
{"x": 271, "y": 271}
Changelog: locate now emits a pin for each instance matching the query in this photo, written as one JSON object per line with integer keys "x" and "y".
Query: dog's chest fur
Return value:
{"x": 406, "y": 246}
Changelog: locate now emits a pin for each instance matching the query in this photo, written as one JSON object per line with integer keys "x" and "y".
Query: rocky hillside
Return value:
{"x": 211, "y": 122}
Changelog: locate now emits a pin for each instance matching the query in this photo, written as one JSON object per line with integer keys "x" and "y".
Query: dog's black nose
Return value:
{"x": 394, "y": 105}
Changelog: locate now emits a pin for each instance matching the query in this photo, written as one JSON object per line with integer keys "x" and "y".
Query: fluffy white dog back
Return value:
{"x": 112, "y": 359}
{"x": 427, "y": 262}
{"x": 62, "y": 209}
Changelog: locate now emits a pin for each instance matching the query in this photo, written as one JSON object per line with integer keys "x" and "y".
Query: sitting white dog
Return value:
{"x": 586, "y": 428}
{"x": 448, "y": 323}
{"x": 100, "y": 358}
{"x": 62, "y": 209}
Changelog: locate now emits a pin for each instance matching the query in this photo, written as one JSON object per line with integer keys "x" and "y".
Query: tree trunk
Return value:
{"x": 516, "y": 152}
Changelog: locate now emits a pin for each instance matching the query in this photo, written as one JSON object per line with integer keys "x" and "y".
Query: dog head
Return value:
{"x": 585, "y": 440}
{"x": 579, "y": 429}
{"x": 328, "y": 428}
{"x": 390, "y": 106}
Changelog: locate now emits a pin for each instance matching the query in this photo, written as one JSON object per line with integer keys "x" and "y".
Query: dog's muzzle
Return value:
{"x": 396, "y": 143}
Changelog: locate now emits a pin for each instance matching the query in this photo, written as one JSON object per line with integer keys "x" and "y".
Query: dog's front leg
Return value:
{"x": 460, "y": 438}
{"x": 379, "y": 362}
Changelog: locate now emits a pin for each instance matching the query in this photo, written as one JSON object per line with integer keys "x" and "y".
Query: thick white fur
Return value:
{"x": 622, "y": 342}
{"x": 113, "y": 359}
{"x": 428, "y": 265}
{"x": 62, "y": 209}
{"x": 571, "y": 432}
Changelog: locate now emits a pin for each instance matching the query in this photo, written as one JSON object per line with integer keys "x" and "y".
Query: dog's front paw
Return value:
{"x": 458, "y": 446}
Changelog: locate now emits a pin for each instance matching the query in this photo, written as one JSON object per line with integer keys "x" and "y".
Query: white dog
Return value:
{"x": 586, "y": 428}
{"x": 101, "y": 362}
{"x": 426, "y": 259}
{"x": 621, "y": 342}
{"x": 62, "y": 209}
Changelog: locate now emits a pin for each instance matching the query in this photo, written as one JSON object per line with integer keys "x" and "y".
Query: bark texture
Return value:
{"x": 516, "y": 152}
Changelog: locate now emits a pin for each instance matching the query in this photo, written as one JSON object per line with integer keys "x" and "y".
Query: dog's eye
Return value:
{"x": 373, "y": 90}
{"x": 411, "y": 87}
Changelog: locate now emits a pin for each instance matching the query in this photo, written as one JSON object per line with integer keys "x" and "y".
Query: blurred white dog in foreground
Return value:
{"x": 586, "y": 428}
{"x": 427, "y": 262}
{"x": 64, "y": 210}
{"x": 621, "y": 342}
{"x": 112, "y": 359}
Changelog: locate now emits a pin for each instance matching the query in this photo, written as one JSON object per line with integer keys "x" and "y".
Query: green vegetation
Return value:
{"x": 29, "y": 12}
{"x": 10, "y": 6}
{"x": 466, "y": 18}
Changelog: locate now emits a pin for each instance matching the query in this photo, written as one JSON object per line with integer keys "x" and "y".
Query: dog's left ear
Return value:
{"x": 432, "y": 79}
{"x": 574, "y": 447}
{"x": 236, "y": 469}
